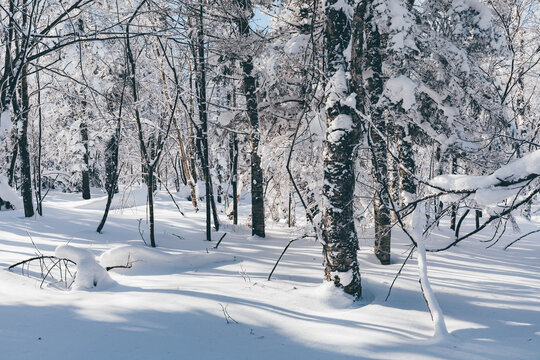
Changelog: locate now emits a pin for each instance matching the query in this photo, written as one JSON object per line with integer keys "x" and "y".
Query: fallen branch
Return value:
{"x": 46, "y": 271}
{"x": 219, "y": 242}
{"x": 128, "y": 265}
{"x": 284, "y": 250}
{"x": 42, "y": 257}
{"x": 173, "y": 199}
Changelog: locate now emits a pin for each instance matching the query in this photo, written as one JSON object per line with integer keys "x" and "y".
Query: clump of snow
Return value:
{"x": 296, "y": 44}
{"x": 516, "y": 170}
{"x": 337, "y": 87}
{"x": 402, "y": 89}
{"x": 8, "y": 194}
{"x": 90, "y": 275}
{"x": 339, "y": 127}
{"x": 483, "y": 17}
{"x": 225, "y": 118}
{"x": 525, "y": 166}
{"x": 345, "y": 278}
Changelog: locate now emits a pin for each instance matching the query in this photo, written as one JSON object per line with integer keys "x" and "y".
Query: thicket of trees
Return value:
{"x": 347, "y": 107}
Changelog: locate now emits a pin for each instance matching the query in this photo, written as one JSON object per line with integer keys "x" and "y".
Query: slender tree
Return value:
{"x": 342, "y": 134}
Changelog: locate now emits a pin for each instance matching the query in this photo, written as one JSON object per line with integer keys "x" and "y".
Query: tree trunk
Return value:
{"x": 250, "y": 89}
{"x": 13, "y": 162}
{"x": 85, "y": 172}
{"x": 111, "y": 167}
{"x": 203, "y": 134}
{"x": 453, "y": 214}
{"x": 375, "y": 43}
{"x": 150, "y": 187}
{"x": 406, "y": 158}
{"x": 37, "y": 170}
{"x": 26, "y": 175}
{"x": 147, "y": 162}
{"x": 342, "y": 135}
{"x": 233, "y": 155}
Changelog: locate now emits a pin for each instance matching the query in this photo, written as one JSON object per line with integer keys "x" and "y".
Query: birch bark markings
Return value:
{"x": 342, "y": 134}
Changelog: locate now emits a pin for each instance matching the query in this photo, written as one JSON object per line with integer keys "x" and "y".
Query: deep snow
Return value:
{"x": 171, "y": 304}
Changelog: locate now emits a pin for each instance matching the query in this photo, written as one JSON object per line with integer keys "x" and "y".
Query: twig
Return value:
{"x": 399, "y": 272}
{"x": 460, "y": 222}
{"x": 521, "y": 237}
{"x": 127, "y": 266}
{"x": 226, "y": 314}
{"x": 284, "y": 250}
{"x": 172, "y": 198}
{"x": 141, "y": 232}
{"x": 219, "y": 242}
{"x": 42, "y": 257}
{"x": 33, "y": 243}
{"x": 49, "y": 271}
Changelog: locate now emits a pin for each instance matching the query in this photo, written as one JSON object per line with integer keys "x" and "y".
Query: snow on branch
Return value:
{"x": 517, "y": 172}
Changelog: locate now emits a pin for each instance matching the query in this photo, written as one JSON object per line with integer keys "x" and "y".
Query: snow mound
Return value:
{"x": 8, "y": 194}
{"x": 150, "y": 260}
{"x": 90, "y": 275}
{"x": 332, "y": 297}
{"x": 129, "y": 198}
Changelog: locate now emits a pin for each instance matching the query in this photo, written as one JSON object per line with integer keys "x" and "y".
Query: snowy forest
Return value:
{"x": 323, "y": 179}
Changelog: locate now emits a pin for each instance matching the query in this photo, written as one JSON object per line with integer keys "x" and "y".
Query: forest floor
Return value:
{"x": 186, "y": 300}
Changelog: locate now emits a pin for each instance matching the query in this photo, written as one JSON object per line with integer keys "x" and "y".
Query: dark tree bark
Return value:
{"x": 203, "y": 132}
{"x": 373, "y": 59}
{"x": 22, "y": 115}
{"x": 453, "y": 214}
{"x": 233, "y": 156}
{"x": 13, "y": 162}
{"x": 342, "y": 135}
{"x": 250, "y": 89}
{"x": 85, "y": 173}
{"x": 148, "y": 162}
{"x": 37, "y": 170}
{"x": 111, "y": 164}
{"x": 406, "y": 158}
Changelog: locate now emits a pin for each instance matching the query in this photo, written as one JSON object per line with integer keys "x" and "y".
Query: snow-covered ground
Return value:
{"x": 186, "y": 300}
